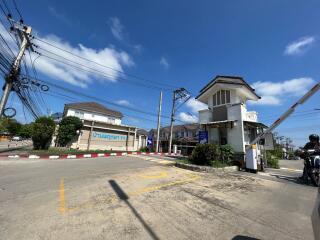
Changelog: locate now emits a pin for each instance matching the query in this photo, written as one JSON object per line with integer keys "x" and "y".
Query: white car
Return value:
{"x": 316, "y": 217}
{"x": 16, "y": 138}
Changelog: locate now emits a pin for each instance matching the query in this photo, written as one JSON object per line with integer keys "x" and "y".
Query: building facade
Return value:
{"x": 184, "y": 136}
{"x": 227, "y": 120}
{"x": 102, "y": 129}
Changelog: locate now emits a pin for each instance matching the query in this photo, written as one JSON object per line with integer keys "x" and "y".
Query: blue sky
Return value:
{"x": 273, "y": 45}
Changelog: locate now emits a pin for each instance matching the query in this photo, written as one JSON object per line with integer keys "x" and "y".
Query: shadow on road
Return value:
{"x": 287, "y": 178}
{"x": 123, "y": 196}
{"x": 240, "y": 237}
{"x": 291, "y": 179}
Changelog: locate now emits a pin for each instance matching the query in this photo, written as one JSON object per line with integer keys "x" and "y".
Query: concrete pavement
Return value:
{"x": 135, "y": 198}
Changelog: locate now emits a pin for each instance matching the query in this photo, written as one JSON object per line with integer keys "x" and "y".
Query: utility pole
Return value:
{"x": 158, "y": 127}
{"x": 182, "y": 94}
{"x": 15, "y": 69}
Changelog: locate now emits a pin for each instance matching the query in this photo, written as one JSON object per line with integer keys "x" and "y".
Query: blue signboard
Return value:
{"x": 109, "y": 137}
{"x": 149, "y": 141}
{"x": 203, "y": 137}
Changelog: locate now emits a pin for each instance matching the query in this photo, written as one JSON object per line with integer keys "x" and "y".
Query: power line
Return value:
{"x": 105, "y": 66}
{"x": 103, "y": 74}
{"x": 77, "y": 93}
{"x": 69, "y": 98}
{"x": 19, "y": 13}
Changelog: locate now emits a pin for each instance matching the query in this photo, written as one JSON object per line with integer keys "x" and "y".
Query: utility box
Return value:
{"x": 252, "y": 155}
{"x": 175, "y": 149}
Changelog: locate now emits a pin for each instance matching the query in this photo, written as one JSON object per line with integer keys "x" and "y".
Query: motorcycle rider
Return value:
{"x": 312, "y": 144}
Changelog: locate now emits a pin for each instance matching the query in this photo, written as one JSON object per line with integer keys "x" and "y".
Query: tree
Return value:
{"x": 42, "y": 131}
{"x": 25, "y": 131}
{"x": 68, "y": 128}
{"x": 10, "y": 125}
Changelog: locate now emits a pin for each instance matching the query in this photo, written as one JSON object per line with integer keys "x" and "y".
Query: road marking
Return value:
{"x": 291, "y": 169}
{"x": 62, "y": 203}
{"x": 62, "y": 200}
{"x": 159, "y": 175}
{"x": 157, "y": 187}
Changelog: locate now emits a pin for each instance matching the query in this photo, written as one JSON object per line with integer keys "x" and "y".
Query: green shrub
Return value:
{"x": 273, "y": 162}
{"x": 42, "y": 131}
{"x": 227, "y": 153}
{"x": 68, "y": 128}
{"x": 205, "y": 154}
{"x": 144, "y": 149}
{"x": 273, "y": 157}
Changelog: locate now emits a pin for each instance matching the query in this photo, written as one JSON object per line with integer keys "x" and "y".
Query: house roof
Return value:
{"x": 177, "y": 128}
{"x": 227, "y": 80}
{"x": 142, "y": 132}
{"x": 94, "y": 107}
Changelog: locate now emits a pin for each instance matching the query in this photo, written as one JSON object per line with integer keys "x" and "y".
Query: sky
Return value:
{"x": 274, "y": 45}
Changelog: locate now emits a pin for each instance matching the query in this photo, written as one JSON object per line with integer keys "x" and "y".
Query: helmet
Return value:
{"x": 314, "y": 137}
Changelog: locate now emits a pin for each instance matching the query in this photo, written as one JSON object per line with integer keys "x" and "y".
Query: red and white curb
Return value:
{"x": 86, "y": 155}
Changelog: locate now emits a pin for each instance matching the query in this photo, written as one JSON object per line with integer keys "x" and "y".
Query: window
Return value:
{"x": 111, "y": 120}
{"x": 221, "y": 97}
{"x": 78, "y": 114}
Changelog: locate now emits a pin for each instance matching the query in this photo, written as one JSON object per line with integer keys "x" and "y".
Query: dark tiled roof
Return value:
{"x": 228, "y": 80}
{"x": 94, "y": 107}
{"x": 177, "y": 128}
{"x": 142, "y": 132}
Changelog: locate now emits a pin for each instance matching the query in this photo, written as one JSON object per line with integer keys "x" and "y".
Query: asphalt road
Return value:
{"x": 146, "y": 198}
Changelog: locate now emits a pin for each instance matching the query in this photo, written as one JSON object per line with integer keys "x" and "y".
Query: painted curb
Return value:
{"x": 91, "y": 155}
{"x": 197, "y": 168}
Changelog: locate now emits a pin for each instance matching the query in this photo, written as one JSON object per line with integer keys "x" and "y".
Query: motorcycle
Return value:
{"x": 312, "y": 166}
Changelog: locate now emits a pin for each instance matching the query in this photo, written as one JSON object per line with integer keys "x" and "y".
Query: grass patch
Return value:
{"x": 183, "y": 160}
{"x": 59, "y": 151}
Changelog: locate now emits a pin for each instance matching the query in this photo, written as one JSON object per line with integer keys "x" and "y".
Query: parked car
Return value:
{"x": 16, "y": 138}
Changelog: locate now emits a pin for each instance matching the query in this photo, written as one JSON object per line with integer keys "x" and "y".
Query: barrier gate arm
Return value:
{"x": 251, "y": 151}
{"x": 288, "y": 112}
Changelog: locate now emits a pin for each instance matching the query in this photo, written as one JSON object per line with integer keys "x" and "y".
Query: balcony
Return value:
{"x": 205, "y": 116}
{"x": 251, "y": 117}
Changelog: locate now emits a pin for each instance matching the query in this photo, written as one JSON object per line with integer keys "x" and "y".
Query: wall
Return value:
{"x": 236, "y": 134}
{"x": 95, "y": 117}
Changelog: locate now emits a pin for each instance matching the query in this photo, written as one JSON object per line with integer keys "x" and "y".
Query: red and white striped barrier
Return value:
{"x": 83, "y": 155}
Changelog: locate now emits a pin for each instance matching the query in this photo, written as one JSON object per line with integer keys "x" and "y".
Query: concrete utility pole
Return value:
{"x": 158, "y": 127}
{"x": 12, "y": 76}
{"x": 182, "y": 94}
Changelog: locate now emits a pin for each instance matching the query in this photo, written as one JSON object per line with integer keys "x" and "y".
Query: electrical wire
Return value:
{"x": 77, "y": 93}
{"x": 103, "y": 74}
{"x": 102, "y": 65}
{"x": 16, "y": 7}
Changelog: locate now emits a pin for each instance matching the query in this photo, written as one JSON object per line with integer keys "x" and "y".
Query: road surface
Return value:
{"x": 146, "y": 198}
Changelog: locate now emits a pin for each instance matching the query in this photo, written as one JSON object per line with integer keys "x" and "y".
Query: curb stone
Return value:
{"x": 197, "y": 168}
{"x": 82, "y": 155}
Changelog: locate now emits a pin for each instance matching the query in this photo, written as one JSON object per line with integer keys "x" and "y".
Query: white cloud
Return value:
{"x": 299, "y": 46}
{"x": 164, "y": 62}
{"x": 116, "y": 28}
{"x": 195, "y": 106}
{"x": 108, "y": 56}
{"x": 186, "y": 117}
{"x": 123, "y": 102}
{"x": 274, "y": 93}
{"x": 59, "y": 15}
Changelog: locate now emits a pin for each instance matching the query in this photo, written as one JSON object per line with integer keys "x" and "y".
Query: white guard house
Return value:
{"x": 227, "y": 120}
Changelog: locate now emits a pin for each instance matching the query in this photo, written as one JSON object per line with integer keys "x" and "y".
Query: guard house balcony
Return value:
{"x": 251, "y": 116}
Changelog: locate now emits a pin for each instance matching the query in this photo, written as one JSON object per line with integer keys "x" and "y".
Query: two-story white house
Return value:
{"x": 227, "y": 119}
{"x": 103, "y": 129}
